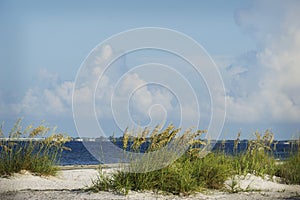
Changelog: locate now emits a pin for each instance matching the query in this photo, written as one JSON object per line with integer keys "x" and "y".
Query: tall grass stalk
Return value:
{"x": 187, "y": 174}
{"x": 21, "y": 150}
{"x": 192, "y": 172}
{"x": 258, "y": 158}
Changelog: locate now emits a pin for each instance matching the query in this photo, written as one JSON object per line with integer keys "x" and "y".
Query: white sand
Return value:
{"x": 67, "y": 179}
{"x": 68, "y": 182}
{"x": 257, "y": 183}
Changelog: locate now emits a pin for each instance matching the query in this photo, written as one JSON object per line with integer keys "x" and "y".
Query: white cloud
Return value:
{"x": 136, "y": 94}
{"x": 53, "y": 102}
{"x": 275, "y": 97}
{"x": 43, "y": 101}
{"x": 119, "y": 93}
{"x": 52, "y": 97}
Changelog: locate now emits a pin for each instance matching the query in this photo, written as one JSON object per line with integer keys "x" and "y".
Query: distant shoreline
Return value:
{"x": 120, "y": 139}
{"x": 103, "y": 166}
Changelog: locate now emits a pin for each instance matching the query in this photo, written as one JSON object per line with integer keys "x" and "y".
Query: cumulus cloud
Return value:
{"x": 49, "y": 97}
{"x": 116, "y": 92}
{"x": 273, "y": 93}
{"x": 52, "y": 96}
{"x": 120, "y": 94}
{"x": 39, "y": 101}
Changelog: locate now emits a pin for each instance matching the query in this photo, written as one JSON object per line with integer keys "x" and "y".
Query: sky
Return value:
{"x": 255, "y": 45}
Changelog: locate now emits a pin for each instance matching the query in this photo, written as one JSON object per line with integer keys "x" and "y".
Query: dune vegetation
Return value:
{"x": 38, "y": 149}
{"x": 22, "y": 150}
{"x": 194, "y": 172}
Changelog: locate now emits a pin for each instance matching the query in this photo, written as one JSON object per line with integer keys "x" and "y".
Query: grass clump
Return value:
{"x": 196, "y": 170}
{"x": 21, "y": 150}
{"x": 257, "y": 158}
{"x": 186, "y": 175}
{"x": 290, "y": 169}
{"x": 212, "y": 170}
{"x": 182, "y": 177}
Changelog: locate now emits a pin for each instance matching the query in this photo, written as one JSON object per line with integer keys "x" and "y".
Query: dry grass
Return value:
{"x": 38, "y": 156}
{"x": 192, "y": 172}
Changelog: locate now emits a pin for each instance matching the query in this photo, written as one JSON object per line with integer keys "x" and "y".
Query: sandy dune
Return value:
{"x": 68, "y": 183}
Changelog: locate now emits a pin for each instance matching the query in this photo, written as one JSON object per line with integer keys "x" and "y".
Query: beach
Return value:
{"x": 71, "y": 180}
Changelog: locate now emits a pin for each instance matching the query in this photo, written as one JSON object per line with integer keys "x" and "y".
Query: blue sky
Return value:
{"x": 254, "y": 43}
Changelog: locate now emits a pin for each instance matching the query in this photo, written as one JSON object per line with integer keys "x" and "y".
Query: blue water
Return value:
{"x": 79, "y": 155}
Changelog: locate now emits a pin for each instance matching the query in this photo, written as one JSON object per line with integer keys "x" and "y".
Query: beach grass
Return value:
{"x": 290, "y": 169}
{"x": 21, "y": 150}
{"x": 182, "y": 177}
{"x": 194, "y": 172}
{"x": 257, "y": 159}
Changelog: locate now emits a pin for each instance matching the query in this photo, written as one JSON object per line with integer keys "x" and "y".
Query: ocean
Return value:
{"x": 79, "y": 155}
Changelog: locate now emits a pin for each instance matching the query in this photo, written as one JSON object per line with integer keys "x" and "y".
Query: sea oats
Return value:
{"x": 125, "y": 138}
